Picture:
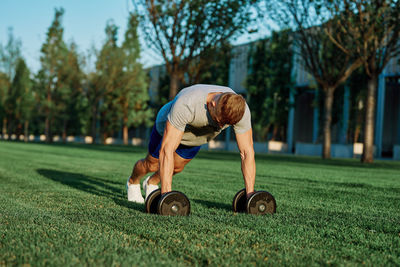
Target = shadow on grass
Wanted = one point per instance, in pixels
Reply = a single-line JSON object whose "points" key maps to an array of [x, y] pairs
{"points": [[100, 147], [92, 185], [212, 205], [230, 156]]}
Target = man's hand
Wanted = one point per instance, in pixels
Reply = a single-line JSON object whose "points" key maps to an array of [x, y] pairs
{"points": [[245, 145], [171, 140]]}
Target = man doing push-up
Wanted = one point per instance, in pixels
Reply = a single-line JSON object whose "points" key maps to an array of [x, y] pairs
{"points": [[194, 117]]}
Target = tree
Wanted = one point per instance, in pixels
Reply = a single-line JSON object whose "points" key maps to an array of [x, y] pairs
{"points": [[134, 96], [71, 98], [9, 56], [211, 66], [180, 30], [20, 101], [329, 65], [94, 95], [268, 85], [108, 82], [4, 85], [373, 28], [52, 60]]}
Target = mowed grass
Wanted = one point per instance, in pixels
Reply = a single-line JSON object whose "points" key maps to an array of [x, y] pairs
{"points": [[65, 205]]}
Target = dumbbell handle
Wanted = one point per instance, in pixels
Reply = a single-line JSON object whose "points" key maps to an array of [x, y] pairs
{"points": [[248, 195]]}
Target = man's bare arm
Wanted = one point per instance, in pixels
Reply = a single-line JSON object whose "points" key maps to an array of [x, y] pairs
{"points": [[245, 145], [171, 140]]}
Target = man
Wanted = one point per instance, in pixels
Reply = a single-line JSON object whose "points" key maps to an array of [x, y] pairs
{"points": [[197, 115]]}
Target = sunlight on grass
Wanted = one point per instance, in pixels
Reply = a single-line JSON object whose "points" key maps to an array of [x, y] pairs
{"points": [[66, 205]]}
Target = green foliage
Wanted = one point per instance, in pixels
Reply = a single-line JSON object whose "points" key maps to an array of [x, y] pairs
{"points": [[73, 103], [181, 31], [268, 84], [358, 82], [54, 52], [10, 54], [134, 96], [4, 85], [211, 66], [19, 103], [63, 100], [163, 90], [73, 211], [109, 81], [119, 87], [36, 126]]}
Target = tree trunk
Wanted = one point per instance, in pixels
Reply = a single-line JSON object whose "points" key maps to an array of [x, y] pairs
{"points": [[47, 129], [94, 122], [275, 132], [11, 126], [125, 135], [103, 131], [367, 156], [173, 85], [125, 130], [26, 132], [326, 149], [64, 133], [105, 136], [4, 130]]}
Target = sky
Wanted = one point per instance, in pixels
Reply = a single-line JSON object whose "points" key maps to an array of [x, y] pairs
{"points": [[84, 22]]}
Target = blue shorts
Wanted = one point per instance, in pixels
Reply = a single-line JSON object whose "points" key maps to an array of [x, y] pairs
{"points": [[186, 152]]}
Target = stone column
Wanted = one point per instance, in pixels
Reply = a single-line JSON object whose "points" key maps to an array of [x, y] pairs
{"points": [[316, 117], [345, 115], [380, 108], [227, 138], [290, 126]]}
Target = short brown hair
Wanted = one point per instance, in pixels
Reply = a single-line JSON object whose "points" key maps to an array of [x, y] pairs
{"points": [[230, 108]]}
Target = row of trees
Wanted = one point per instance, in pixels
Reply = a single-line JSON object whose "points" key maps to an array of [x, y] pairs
{"points": [[62, 99]]}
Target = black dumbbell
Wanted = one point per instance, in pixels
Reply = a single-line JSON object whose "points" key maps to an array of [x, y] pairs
{"points": [[152, 201], [259, 203], [171, 204], [239, 201]]}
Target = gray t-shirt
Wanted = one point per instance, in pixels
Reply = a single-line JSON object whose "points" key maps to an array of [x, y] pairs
{"points": [[188, 113]]}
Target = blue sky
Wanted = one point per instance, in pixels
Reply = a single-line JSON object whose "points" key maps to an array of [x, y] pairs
{"points": [[84, 22]]}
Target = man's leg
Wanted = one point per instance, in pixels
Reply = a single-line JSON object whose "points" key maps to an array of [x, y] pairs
{"points": [[155, 179], [143, 167]]}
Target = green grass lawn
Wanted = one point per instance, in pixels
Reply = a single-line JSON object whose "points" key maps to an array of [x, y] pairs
{"points": [[66, 205]]}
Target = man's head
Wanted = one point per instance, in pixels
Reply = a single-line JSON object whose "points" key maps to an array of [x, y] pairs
{"points": [[227, 108]]}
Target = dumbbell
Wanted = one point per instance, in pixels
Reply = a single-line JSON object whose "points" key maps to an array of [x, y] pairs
{"points": [[259, 203], [171, 204]]}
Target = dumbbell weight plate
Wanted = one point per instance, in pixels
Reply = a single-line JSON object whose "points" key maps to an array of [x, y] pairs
{"points": [[174, 203], [239, 201], [260, 203], [152, 201]]}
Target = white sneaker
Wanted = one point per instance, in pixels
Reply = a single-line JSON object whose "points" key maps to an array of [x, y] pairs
{"points": [[134, 193], [148, 188]]}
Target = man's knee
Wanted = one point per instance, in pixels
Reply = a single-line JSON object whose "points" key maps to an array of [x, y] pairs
{"points": [[151, 165], [178, 168]]}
